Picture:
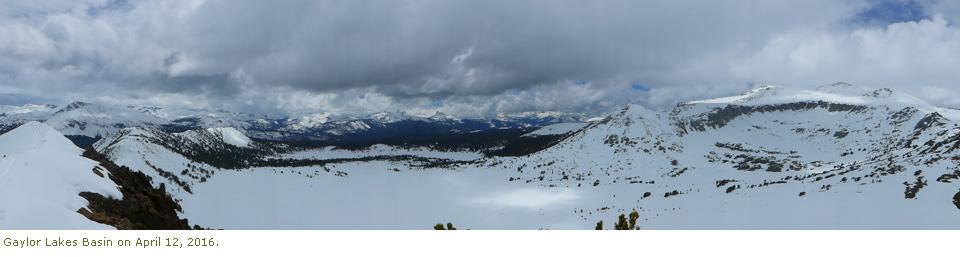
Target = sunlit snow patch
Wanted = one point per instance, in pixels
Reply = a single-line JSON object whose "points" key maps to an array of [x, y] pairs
{"points": [[532, 198], [557, 129], [231, 136]]}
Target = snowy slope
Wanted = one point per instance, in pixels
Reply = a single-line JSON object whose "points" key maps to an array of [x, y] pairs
{"points": [[41, 175], [136, 148], [230, 135], [772, 158], [831, 157]]}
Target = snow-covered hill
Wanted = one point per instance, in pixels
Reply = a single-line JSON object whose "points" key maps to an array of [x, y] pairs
{"points": [[41, 176], [836, 156], [832, 157]]}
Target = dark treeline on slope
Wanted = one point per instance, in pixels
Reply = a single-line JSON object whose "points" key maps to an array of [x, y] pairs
{"points": [[415, 161], [442, 141], [521, 146], [258, 154], [142, 207], [342, 133], [221, 155], [83, 141], [507, 142]]}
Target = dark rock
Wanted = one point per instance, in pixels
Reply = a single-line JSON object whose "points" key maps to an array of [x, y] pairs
{"points": [[142, 207]]}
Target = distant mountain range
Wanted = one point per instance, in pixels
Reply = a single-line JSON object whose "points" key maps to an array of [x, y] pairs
{"points": [[837, 156], [87, 122]]}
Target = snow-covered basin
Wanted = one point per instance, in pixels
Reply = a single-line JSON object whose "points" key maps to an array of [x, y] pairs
{"points": [[380, 150], [374, 196]]}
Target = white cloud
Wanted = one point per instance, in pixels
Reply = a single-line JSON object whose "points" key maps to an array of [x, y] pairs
{"points": [[902, 56], [474, 57]]}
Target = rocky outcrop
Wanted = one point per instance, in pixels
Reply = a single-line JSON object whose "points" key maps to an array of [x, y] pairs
{"points": [[142, 206]]}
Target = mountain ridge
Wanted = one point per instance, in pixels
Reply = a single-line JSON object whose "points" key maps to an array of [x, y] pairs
{"points": [[86, 122], [772, 158]]}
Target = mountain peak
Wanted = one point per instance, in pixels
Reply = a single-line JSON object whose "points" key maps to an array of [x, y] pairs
{"points": [[389, 117], [72, 106], [839, 88], [439, 116], [29, 135], [45, 173]]}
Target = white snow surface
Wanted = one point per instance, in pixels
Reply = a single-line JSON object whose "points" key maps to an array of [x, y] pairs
{"points": [[41, 176], [329, 153], [231, 136], [315, 120], [390, 117]]}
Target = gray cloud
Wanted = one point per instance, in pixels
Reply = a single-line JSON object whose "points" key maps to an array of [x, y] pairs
{"points": [[471, 57]]}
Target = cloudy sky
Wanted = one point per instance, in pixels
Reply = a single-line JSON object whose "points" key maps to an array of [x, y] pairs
{"points": [[466, 58]]}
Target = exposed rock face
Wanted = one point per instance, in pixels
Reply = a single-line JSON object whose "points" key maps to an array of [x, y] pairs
{"points": [[142, 207], [721, 116]]}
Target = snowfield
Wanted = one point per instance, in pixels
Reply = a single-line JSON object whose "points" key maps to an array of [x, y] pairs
{"points": [[41, 177]]}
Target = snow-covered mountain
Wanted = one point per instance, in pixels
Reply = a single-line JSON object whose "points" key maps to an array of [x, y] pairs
{"points": [[832, 157], [12, 117], [41, 177], [87, 122], [836, 156], [391, 117], [96, 120], [82, 122]]}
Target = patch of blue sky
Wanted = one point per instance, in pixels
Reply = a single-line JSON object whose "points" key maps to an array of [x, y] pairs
{"points": [[636, 86], [885, 12], [120, 5]]}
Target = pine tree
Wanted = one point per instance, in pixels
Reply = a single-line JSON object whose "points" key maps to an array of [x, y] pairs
{"points": [[600, 225], [621, 223], [624, 224], [440, 226]]}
